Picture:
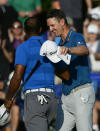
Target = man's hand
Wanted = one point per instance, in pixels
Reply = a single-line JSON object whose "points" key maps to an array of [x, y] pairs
{"points": [[63, 73], [51, 35], [3, 115], [63, 50], [63, 53]]}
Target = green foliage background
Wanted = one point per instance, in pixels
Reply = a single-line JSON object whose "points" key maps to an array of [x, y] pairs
{"points": [[46, 4]]}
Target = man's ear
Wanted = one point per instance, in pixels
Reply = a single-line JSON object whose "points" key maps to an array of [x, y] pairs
{"points": [[40, 29], [62, 22], [24, 31]]}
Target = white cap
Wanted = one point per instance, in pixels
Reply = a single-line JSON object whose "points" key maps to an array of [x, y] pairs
{"points": [[49, 49], [92, 28], [95, 13], [52, 52]]}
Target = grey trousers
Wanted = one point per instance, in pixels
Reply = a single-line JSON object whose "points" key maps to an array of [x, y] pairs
{"points": [[76, 108], [37, 116]]}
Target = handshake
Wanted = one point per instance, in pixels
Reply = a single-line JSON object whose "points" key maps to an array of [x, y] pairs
{"points": [[3, 115]]}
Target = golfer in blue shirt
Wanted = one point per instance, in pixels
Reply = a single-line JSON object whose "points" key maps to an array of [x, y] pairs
{"points": [[40, 101], [77, 101]]}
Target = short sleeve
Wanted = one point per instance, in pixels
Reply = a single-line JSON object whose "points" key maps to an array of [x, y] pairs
{"points": [[20, 57], [79, 40]]}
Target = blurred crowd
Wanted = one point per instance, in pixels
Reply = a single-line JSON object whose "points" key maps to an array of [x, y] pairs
{"points": [[82, 16]]}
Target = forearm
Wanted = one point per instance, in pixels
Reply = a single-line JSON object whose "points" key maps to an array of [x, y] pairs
{"points": [[89, 4], [63, 73], [14, 85], [79, 50], [97, 56], [85, 32], [13, 88], [8, 55]]}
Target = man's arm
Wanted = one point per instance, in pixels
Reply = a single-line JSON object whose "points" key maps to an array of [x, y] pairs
{"points": [[8, 55], [63, 73], [14, 85], [97, 56], [89, 5], [79, 50]]}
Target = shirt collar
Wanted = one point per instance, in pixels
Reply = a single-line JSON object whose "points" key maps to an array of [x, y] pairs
{"points": [[36, 37], [67, 37]]}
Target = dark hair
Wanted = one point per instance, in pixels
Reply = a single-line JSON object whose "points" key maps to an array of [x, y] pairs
{"points": [[58, 14], [43, 22], [32, 24]]}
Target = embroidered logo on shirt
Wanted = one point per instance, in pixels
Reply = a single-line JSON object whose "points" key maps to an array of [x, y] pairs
{"points": [[79, 43]]}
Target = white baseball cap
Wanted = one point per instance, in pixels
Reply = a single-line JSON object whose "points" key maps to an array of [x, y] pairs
{"points": [[49, 49], [92, 28], [95, 13], [52, 52]]}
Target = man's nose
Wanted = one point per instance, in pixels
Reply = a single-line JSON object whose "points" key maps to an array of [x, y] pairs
{"points": [[51, 29]]}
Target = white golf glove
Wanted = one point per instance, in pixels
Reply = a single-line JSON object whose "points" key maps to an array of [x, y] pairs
{"points": [[3, 115], [41, 99]]}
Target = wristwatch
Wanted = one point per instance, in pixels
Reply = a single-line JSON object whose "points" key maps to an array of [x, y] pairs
{"points": [[69, 50]]}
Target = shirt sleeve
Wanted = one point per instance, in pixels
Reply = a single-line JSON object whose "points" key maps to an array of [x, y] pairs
{"points": [[20, 57], [79, 40]]}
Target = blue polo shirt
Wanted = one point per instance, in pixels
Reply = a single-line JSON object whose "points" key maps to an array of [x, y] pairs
{"points": [[27, 54], [78, 68]]}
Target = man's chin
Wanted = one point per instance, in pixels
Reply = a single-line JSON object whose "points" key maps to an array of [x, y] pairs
{"points": [[56, 35]]}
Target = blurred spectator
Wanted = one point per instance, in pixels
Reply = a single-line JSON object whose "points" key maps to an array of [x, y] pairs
{"points": [[93, 43], [15, 110], [26, 8], [96, 110], [16, 37], [7, 16], [73, 10], [95, 12], [6, 58], [90, 20], [97, 55], [16, 34]]}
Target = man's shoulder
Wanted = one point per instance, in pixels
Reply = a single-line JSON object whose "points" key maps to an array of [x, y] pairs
{"points": [[22, 46], [77, 34], [78, 38]]}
